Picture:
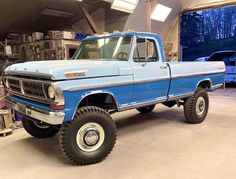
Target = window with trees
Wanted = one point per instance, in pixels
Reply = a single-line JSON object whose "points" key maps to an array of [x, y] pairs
{"points": [[207, 31]]}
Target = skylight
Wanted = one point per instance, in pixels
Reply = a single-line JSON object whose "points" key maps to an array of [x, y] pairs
{"points": [[125, 5], [160, 13]]}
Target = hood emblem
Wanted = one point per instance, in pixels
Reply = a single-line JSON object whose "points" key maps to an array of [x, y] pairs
{"points": [[74, 74]]}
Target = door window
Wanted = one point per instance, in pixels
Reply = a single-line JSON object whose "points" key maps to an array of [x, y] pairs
{"points": [[145, 51]]}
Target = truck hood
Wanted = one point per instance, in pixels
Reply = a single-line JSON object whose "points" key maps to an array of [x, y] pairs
{"points": [[66, 69]]}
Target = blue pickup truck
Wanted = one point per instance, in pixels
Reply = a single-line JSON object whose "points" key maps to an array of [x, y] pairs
{"points": [[107, 74]]}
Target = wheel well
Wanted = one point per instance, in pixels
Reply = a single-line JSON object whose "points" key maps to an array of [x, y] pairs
{"points": [[101, 100], [205, 84]]}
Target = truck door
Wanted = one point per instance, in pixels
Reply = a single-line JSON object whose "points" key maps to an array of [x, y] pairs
{"points": [[151, 74]]}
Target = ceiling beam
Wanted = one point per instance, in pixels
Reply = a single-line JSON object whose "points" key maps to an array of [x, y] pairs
{"points": [[89, 19], [149, 10]]}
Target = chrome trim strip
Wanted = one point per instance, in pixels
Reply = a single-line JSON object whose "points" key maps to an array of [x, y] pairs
{"points": [[31, 98], [138, 105], [116, 84], [44, 92], [30, 74], [159, 100], [152, 80], [25, 79], [216, 86], [176, 97], [49, 117], [197, 74], [99, 86], [21, 87]]}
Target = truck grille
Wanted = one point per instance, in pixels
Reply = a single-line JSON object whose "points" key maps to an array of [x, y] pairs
{"points": [[32, 89], [14, 85]]}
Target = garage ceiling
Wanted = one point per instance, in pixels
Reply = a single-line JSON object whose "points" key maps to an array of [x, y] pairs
{"points": [[25, 15]]}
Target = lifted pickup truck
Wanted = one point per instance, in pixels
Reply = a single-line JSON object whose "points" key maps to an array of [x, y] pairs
{"points": [[108, 73]]}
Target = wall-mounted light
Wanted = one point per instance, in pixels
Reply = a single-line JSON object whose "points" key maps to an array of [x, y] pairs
{"points": [[125, 5], [160, 13]]}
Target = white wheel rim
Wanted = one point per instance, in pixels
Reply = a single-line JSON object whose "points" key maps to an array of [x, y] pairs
{"points": [[200, 106], [90, 137]]}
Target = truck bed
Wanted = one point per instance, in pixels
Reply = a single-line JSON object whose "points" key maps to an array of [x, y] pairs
{"points": [[185, 76]]}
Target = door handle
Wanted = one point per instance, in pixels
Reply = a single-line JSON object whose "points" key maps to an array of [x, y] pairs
{"points": [[163, 67]]}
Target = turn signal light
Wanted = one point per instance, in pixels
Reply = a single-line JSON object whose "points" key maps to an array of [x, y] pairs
{"points": [[56, 107]]}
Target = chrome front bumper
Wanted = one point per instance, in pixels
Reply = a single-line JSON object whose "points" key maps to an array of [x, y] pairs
{"points": [[49, 117]]}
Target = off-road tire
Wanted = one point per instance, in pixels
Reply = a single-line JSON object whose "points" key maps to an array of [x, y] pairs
{"points": [[146, 109], [68, 133], [190, 107], [39, 132]]}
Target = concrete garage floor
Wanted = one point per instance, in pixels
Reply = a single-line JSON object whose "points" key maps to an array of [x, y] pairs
{"points": [[157, 145]]}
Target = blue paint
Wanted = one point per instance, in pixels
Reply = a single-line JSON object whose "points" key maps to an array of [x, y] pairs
{"points": [[144, 92], [186, 85]]}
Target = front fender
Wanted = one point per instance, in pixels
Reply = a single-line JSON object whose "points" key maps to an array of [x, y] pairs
{"points": [[74, 98]]}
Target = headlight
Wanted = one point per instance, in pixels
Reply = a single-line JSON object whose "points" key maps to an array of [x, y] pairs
{"points": [[51, 92]]}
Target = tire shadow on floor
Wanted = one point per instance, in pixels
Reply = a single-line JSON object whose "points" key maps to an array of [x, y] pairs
{"points": [[48, 148], [137, 121]]}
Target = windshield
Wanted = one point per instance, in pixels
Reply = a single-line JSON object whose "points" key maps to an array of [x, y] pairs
{"points": [[110, 48]]}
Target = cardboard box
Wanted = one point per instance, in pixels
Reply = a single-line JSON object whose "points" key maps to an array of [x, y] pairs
{"points": [[37, 36], [8, 119], [61, 35], [2, 103], [2, 91], [68, 35], [8, 50], [53, 34], [22, 38]]}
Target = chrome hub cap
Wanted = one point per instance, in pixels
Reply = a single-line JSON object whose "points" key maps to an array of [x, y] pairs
{"points": [[90, 137], [41, 125], [200, 106]]}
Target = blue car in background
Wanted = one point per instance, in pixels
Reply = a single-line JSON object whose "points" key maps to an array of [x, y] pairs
{"points": [[229, 58], [201, 59]]}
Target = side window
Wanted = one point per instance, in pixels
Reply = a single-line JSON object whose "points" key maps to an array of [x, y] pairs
{"points": [[146, 50]]}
